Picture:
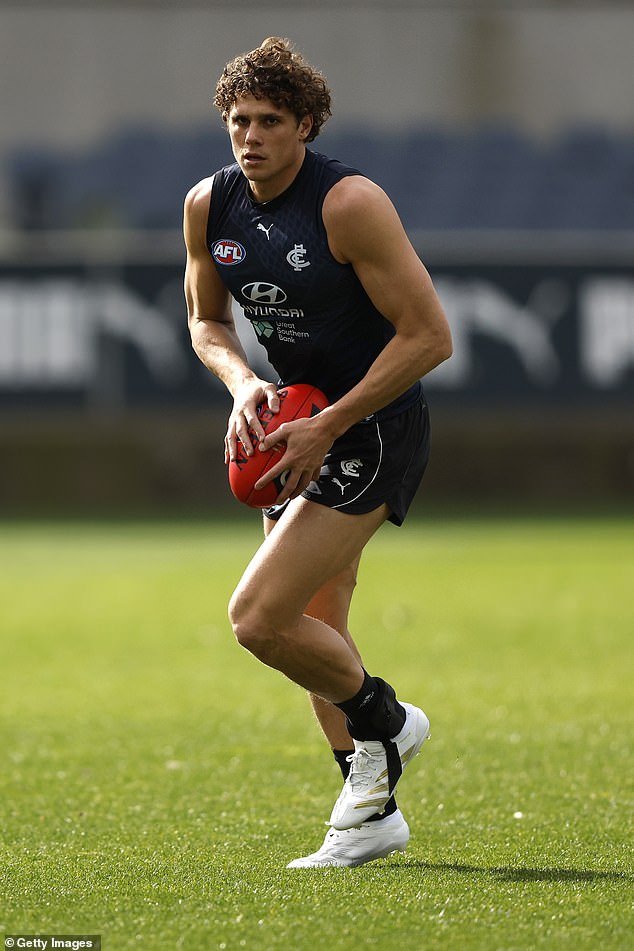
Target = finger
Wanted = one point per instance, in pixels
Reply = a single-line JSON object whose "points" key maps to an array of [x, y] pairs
{"points": [[244, 435], [230, 446], [247, 444], [273, 473], [272, 399], [273, 439], [293, 487], [287, 493], [256, 427]]}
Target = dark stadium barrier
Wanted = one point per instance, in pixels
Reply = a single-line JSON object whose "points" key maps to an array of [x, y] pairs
{"points": [[104, 404]]}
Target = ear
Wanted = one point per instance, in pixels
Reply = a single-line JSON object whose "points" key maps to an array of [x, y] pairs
{"points": [[305, 125]]}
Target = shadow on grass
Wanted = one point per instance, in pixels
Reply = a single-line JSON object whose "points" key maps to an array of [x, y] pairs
{"points": [[510, 874]]}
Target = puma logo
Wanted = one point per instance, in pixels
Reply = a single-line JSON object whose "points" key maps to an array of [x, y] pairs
{"points": [[261, 227], [341, 485]]}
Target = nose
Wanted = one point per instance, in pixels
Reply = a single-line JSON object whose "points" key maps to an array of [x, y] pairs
{"points": [[251, 134]]}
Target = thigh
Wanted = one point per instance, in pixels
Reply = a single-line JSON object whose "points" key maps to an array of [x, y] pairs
{"points": [[331, 603], [310, 546]]}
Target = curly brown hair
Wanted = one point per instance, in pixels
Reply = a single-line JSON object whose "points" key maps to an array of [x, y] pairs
{"points": [[275, 71]]}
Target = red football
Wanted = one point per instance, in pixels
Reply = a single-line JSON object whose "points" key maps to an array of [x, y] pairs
{"points": [[296, 402]]}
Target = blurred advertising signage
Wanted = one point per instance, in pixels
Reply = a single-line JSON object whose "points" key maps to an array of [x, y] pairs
{"points": [[551, 334], [112, 337]]}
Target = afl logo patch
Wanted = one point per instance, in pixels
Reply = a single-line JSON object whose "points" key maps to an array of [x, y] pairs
{"points": [[228, 252], [261, 292]]}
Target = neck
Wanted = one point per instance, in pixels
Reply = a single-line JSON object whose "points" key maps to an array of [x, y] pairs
{"points": [[265, 191]]}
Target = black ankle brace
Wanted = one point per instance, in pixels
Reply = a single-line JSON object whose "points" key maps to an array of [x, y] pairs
{"points": [[374, 712]]}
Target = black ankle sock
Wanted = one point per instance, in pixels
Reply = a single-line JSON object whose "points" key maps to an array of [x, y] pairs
{"points": [[374, 712], [342, 760]]}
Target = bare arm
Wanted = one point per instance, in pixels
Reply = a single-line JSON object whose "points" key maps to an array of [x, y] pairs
{"points": [[212, 328], [365, 231]]}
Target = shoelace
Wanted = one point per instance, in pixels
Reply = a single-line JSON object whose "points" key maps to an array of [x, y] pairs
{"points": [[363, 765]]}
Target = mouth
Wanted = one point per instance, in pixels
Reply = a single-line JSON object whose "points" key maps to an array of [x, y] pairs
{"points": [[252, 158]]}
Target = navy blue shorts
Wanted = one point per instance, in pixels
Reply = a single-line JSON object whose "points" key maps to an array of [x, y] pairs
{"points": [[376, 461]]}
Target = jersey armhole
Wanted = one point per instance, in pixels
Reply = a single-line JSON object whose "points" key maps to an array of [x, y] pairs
{"points": [[345, 171], [213, 210]]}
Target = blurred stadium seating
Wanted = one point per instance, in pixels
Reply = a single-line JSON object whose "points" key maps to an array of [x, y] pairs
{"points": [[492, 177]]}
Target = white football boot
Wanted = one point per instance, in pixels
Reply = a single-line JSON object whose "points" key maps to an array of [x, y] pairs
{"points": [[367, 788], [352, 847]]}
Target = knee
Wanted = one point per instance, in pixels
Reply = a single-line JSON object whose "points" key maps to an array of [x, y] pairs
{"points": [[249, 624]]}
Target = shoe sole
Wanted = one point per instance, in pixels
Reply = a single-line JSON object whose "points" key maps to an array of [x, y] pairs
{"points": [[355, 863], [398, 842]]}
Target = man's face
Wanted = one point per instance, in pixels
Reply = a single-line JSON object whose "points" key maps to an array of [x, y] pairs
{"points": [[268, 144]]}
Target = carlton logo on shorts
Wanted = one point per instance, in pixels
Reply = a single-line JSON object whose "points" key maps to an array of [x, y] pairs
{"points": [[262, 292], [350, 467], [228, 252]]}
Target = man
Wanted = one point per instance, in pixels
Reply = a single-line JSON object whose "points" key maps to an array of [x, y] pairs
{"points": [[317, 257]]}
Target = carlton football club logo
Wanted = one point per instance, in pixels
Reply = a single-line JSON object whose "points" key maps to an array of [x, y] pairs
{"points": [[297, 257], [228, 252], [349, 467]]}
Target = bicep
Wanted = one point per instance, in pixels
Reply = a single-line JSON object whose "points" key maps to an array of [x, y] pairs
{"points": [[206, 295], [397, 283], [368, 234]]}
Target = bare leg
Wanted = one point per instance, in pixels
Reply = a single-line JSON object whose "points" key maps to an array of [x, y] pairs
{"points": [[331, 604], [311, 546]]}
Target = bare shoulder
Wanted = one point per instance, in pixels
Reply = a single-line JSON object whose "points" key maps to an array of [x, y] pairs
{"points": [[198, 198], [196, 210], [353, 196], [358, 214]]}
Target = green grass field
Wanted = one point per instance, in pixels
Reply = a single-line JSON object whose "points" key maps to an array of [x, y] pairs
{"points": [[156, 779]]}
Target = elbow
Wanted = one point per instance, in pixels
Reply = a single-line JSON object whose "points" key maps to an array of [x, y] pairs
{"points": [[446, 347], [442, 348], [192, 323], [197, 336], [430, 351]]}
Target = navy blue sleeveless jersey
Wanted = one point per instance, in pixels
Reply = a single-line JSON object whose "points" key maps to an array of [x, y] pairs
{"points": [[310, 312]]}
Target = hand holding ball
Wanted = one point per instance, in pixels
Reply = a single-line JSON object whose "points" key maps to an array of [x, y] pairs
{"points": [[300, 401]]}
